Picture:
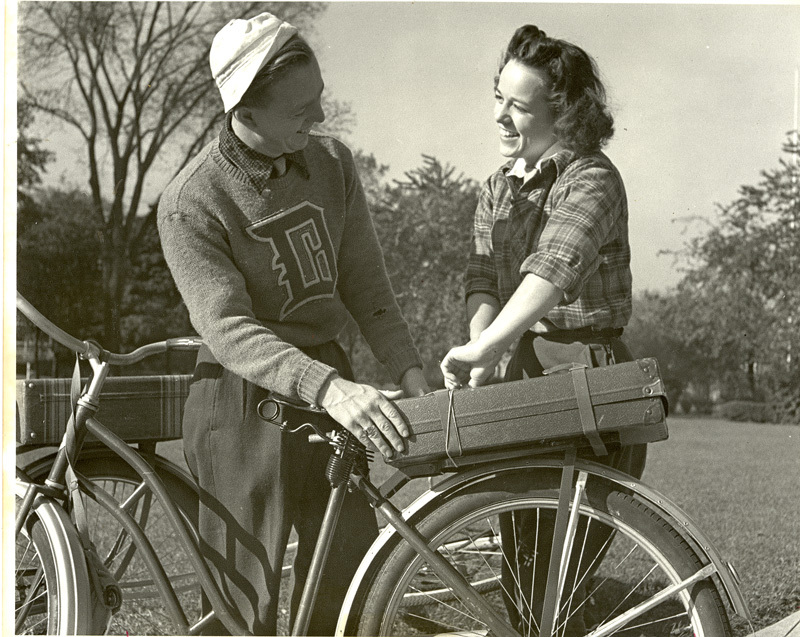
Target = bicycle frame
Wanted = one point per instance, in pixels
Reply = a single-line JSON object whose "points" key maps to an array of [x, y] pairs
{"points": [[574, 474], [443, 569]]}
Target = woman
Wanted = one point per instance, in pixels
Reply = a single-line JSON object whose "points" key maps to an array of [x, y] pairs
{"points": [[270, 242], [549, 266]]}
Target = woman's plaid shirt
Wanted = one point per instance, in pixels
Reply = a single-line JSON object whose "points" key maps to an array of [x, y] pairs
{"points": [[567, 224]]}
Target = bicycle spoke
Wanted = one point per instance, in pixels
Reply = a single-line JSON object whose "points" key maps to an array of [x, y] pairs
{"points": [[655, 600], [527, 617], [33, 579], [584, 577], [515, 574], [576, 585], [449, 627], [482, 555], [33, 593], [34, 628], [450, 607], [631, 592], [532, 623], [657, 621], [566, 551], [616, 567]]}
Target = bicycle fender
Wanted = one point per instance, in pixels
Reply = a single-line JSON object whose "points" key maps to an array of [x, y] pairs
{"points": [[686, 527], [39, 468], [67, 543], [450, 486]]}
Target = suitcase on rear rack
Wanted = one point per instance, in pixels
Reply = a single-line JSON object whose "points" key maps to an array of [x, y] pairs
{"points": [[596, 408], [136, 408]]}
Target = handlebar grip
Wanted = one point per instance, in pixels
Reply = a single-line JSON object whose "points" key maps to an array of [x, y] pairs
{"points": [[184, 343]]}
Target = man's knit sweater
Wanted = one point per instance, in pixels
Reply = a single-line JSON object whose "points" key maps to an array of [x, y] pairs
{"points": [[264, 273]]}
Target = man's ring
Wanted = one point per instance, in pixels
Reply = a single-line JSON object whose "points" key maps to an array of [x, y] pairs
{"points": [[371, 431]]}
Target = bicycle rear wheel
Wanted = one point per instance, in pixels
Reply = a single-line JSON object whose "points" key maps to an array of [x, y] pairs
{"points": [[51, 583], [642, 559]]}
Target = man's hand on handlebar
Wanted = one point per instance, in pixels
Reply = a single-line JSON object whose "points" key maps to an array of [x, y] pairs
{"points": [[366, 413]]}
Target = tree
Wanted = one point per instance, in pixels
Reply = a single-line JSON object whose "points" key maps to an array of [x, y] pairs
{"points": [[424, 223], [655, 330], [132, 80], [31, 157], [152, 308], [58, 244], [739, 301], [32, 160]]}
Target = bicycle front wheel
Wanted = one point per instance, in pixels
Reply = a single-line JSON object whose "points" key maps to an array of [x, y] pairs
{"points": [[627, 574], [142, 610], [51, 583]]}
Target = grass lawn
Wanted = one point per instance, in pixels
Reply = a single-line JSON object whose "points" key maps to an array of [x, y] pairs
{"points": [[740, 483]]}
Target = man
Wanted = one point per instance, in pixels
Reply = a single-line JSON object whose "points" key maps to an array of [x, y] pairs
{"points": [[269, 239]]}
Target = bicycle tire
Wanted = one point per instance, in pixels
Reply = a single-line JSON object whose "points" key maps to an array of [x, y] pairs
{"points": [[52, 592], [142, 609], [644, 555]]}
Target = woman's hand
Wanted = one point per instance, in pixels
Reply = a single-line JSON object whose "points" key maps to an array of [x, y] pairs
{"points": [[413, 383], [472, 364], [475, 362]]}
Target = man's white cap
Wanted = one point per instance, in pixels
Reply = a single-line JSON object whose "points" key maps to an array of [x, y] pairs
{"points": [[241, 49]]}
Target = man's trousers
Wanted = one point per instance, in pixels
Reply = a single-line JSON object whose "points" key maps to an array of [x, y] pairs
{"points": [[256, 484]]}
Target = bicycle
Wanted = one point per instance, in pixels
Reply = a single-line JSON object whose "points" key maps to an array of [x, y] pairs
{"points": [[440, 566]]}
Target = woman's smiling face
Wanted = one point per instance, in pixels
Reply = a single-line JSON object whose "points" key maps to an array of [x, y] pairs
{"points": [[523, 113]]}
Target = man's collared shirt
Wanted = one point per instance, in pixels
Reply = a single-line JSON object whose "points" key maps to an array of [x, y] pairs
{"points": [[259, 168], [568, 224]]}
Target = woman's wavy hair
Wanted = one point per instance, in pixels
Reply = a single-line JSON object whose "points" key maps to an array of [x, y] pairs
{"points": [[583, 122], [295, 51]]}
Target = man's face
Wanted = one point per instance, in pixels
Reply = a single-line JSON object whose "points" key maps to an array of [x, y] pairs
{"points": [[522, 113], [293, 106]]}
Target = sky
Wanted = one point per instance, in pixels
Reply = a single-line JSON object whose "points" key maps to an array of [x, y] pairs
{"points": [[703, 96]]}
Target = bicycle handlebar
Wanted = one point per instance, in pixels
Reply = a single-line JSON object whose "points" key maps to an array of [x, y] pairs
{"points": [[88, 349], [50, 328], [186, 343]]}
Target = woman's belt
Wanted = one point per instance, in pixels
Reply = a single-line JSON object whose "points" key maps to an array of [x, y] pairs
{"points": [[582, 333]]}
